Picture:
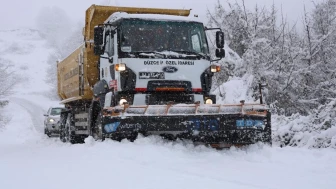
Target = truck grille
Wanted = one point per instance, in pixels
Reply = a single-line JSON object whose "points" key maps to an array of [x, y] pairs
{"points": [[165, 98]]}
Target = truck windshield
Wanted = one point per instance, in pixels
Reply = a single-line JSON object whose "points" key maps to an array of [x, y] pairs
{"points": [[145, 36]]}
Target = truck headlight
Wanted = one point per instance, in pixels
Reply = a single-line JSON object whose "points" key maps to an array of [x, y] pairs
{"points": [[122, 101], [51, 120], [208, 101], [120, 67], [214, 68]]}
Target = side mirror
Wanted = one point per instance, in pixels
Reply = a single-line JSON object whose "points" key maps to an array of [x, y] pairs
{"points": [[98, 40], [220, 39], [220, 53], [46, 115]]}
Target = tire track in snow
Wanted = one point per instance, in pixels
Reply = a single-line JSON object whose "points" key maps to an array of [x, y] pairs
{"points": [[36, 112]]}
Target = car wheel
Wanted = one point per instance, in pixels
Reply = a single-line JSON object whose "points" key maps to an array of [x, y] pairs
{"points": [[46, 132]]}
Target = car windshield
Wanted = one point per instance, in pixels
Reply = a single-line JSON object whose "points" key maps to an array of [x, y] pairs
{"points": [[158, 36], [55, 111]]}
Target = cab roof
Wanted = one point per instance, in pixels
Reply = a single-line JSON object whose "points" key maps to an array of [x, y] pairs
{"points": [[122, 15]]}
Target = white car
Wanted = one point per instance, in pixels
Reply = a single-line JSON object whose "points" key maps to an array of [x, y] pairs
{"points": [[51, 121]]}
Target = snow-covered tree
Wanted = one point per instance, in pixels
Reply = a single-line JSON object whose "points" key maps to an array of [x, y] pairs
{"points": [[7, 79], [269, 50], [320, 38], [234, 24], [300, 68], [62, 35]]}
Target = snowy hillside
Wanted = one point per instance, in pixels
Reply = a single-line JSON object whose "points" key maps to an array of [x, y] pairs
{"points": [[26, 53]]}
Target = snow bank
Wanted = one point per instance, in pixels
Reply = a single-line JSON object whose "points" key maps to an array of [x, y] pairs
{"points": [[155, 163], [314, 131], [232, 87], [20, 128]]}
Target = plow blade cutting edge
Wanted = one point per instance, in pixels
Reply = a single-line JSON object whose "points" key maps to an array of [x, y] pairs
{"points": [[218, 125]]}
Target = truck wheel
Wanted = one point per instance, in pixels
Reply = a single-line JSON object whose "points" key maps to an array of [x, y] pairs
{"points": [[62, 126], [69, 137], [62, 135], [97, 131]]}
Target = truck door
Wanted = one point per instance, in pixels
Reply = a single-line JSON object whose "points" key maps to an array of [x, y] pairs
{"points": [[109, 58]]}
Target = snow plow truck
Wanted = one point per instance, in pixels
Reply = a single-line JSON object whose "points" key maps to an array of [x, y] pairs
{"points": [[149, 71]]}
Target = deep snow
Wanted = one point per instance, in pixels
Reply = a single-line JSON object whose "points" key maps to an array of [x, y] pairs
{"points": [[28, 159], [31, 160]]}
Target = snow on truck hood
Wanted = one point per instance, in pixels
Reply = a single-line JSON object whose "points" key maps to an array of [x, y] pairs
{"points": [[120, 15]]}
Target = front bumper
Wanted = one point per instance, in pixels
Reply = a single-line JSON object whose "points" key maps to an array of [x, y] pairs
{"points": [[52, 127]]}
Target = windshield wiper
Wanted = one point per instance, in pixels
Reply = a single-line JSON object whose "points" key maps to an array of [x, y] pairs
{"points": [[161, 55], [146, 54], [191, 53], [177, 54], [152, 54]]}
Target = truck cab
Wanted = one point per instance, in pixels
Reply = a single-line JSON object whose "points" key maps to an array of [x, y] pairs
{"points": [[150, 59]]}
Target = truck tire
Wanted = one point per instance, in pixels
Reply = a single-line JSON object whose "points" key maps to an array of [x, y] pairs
{"points": [[63, 119], [65, 133], [97, 131], [68, 135], [62, 135]]}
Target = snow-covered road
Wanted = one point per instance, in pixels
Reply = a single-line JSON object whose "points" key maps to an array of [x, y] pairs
{"points": [[28, 159]]}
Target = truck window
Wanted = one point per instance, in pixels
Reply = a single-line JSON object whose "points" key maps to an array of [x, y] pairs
{"points": [[196, 44], [109, 44], [112, 46], [138, 36]]}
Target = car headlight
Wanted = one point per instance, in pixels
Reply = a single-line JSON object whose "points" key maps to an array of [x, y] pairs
{"points": [[208, 101], [51, 120], [122, 101]]}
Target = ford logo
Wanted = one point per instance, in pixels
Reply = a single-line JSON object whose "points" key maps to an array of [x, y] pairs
{"points": [[169, 69]]}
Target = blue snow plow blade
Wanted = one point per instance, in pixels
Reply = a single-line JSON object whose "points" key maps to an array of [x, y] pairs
{"points": [[209, 124]]}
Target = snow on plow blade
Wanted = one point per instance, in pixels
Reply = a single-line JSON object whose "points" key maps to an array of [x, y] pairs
{"points": [[218, 125]]}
